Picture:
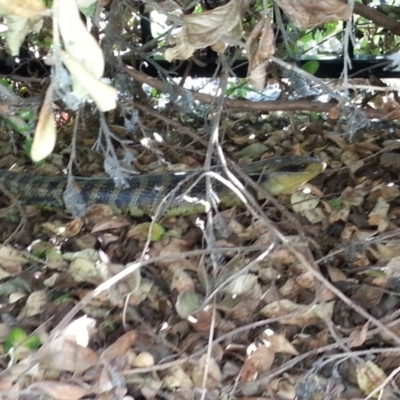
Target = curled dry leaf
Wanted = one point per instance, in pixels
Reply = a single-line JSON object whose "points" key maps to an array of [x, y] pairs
{"points": [[64, 230], [304, 315], [201, 321], [259, 47], [258, 362], [308, 13], [208, 28], [45, 136], [378, 216], [279, 343], [245, 285], [358, 336], [120, 347], [111, 222]]}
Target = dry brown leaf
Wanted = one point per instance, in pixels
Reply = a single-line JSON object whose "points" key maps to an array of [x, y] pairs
{"points": [[59, 390], [111, 222], [120, 347], [358, 336], [308, 13], [258, 362], [336, 275], [66, 355], [388, 160], [64, 230], [208, 28], [378, 216], [259, 48], [278, 343]]}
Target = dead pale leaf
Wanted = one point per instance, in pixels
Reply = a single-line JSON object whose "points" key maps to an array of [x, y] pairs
{"points": [[214, 375], [87, 85], [392, 268], [305, 315], [309, 13], [11, 261], [259, 48], [245, 285], [18, 28], [35, 304], [177, 378], [59, 390], [23, 8], [335, 274], [45, 135], [65, 355], [78, 41]]}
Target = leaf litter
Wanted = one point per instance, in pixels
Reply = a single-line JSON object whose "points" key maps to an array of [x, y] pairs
{"points": [[248, 317], [265, 312]]}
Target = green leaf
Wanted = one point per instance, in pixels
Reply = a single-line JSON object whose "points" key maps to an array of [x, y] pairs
{"points": [[306, 39], [62, 299], [28, 144], [336, 203], [311, 66], [18, 337], [18, 125], [253, 150], [27, 114], [188, 302]]}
